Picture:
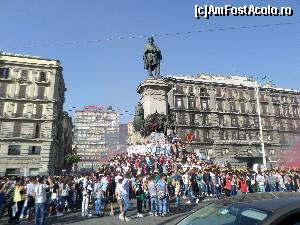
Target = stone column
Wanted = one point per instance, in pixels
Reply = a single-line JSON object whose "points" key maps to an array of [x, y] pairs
{"points": [[153, 94]]}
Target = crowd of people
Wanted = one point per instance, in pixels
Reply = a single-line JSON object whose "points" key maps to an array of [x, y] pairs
{"points": [[153, 180]]}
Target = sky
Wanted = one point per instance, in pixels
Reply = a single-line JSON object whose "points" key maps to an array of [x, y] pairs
{"points": [[108, 72]]}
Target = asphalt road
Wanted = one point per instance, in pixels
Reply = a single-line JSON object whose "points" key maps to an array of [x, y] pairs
{"points": [[75, 217]]}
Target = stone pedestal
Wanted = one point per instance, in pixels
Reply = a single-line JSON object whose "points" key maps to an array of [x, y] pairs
{"points": [[153, 94]]}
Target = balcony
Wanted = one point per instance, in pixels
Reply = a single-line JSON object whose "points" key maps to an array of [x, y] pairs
{"points": [[230, 98], [6, 79], [23, 80], [221, 96], [42, 81]]}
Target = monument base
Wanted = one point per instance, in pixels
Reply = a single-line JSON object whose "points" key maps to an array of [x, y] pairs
{"points": [[154, 95]]}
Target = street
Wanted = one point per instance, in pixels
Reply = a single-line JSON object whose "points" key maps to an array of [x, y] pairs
{"points": [[76, 218]]}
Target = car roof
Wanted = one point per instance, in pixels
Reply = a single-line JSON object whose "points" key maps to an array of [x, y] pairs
{"points": [[273, 205], [257, 199]]}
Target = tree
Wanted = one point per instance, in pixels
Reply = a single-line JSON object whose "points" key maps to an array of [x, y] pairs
{"points": [[72, 158]]}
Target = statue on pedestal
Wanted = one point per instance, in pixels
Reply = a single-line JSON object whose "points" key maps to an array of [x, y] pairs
{"points": [[152, 57]]}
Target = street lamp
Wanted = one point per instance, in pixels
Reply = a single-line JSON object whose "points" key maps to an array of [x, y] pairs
{"points": [[257, 86]]}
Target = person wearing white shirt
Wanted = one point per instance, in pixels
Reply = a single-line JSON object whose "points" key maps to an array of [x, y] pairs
{"points": [[40, 200]]}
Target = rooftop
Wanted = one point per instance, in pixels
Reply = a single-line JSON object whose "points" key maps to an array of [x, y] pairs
{"points": [[22, 58], [229, 80]]}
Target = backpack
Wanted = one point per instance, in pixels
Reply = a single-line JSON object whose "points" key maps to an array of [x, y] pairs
{"points": [[9, 195], [161, 190]]}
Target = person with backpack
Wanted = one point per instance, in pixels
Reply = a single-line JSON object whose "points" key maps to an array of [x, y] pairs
{"points": [[8, 190], [125, 195], [153, 197], [118, 193], [29, 209], [64, 195], [98, 196], [140, 196], [162, 190]]}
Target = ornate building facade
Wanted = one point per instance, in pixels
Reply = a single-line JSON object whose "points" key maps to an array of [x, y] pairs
{"points": [[222, 115], [31, 116]]}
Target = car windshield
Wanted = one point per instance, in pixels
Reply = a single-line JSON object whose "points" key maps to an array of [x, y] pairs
{"points": [[233, 214]]}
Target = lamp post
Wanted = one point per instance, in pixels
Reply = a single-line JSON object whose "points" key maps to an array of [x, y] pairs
{"points": [[257, 86]]}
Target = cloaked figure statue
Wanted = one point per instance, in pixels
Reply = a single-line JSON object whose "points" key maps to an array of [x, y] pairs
{"points": [[152, 57]]}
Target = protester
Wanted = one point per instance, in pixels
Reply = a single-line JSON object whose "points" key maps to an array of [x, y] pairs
{"points": [[153, 179]]}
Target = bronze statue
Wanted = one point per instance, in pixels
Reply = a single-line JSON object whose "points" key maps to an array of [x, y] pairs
{"points": [[152, 57]]}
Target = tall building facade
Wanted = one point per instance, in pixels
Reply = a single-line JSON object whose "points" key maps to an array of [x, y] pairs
{"points": [[96, 133], [123, 134], [222, 115], [31, 114]]}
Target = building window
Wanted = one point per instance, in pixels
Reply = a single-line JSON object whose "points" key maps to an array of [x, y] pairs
{"points": [[294, 100], [192, 119], [2, 105], [203, 92], [242, 135], [282, 139], [294, 110], [41, 92], [204, 119], [39, 111], [220, 106], [235, 135], [181, 118], [246, 122], [192, 103], [204, 104], [205, 135], [241, 94], [34, 150], [37, 132], [17, 129], [252, 95], [14, 150], [253, 108], [219, 93], [291, 125], [223, 135], [179, 102], [230, 92], [284, 99], [22, 91], [269, 136], [221, 120], [4, 73], [179, 89], [20, 109], [264, 109], [262, 97], [248, 135], [12, 172], [276, 110], [3, 89], [24, 74], [43, 77], [285, 111], [232, 107], [234, 121], [190, 90], [268, 123], [243, 107]]}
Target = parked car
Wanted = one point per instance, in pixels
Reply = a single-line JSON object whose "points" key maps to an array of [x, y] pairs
{"points": [[276, 208]]}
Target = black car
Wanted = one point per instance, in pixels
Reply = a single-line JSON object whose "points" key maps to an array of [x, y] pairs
{"points": [[276, 208]]}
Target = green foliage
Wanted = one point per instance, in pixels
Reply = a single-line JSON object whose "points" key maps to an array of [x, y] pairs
{"points": [[72, 158]]}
